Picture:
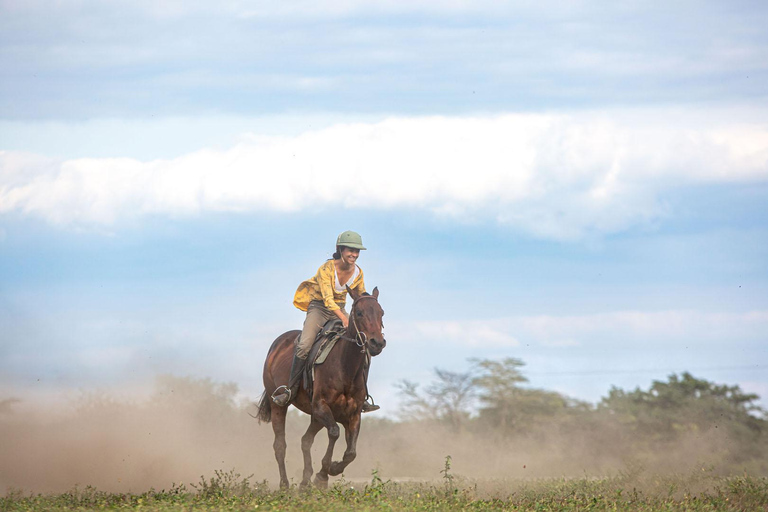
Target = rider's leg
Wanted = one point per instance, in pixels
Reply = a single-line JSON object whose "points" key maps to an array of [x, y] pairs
{"points": [[317, 315], [283, 394], [368, 406]]}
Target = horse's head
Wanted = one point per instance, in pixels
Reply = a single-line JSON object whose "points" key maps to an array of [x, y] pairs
{"points": [[365, 319]]}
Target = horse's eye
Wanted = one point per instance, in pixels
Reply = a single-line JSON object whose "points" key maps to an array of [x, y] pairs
{"points": [[359, 313]]}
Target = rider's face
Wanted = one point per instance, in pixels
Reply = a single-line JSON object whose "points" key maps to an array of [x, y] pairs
{"points": [[349, 255]]}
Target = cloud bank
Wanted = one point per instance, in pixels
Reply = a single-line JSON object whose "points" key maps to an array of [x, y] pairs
{"points": [[554, 176], [669, 326], [105, 59]]}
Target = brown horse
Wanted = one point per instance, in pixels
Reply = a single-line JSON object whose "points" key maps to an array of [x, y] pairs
{"points": [[339, 389]]}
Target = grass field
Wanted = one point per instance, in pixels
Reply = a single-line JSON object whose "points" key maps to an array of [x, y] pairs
{"points": [[639, 491], [127, 455]]}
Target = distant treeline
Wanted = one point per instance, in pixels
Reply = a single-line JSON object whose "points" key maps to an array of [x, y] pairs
{"points": [[716, 422]]}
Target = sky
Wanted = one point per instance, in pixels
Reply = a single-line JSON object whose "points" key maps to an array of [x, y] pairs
{"points": [[579, 185]]}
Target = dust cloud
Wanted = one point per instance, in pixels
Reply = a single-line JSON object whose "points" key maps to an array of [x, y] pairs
{"points": [[188, 428]]}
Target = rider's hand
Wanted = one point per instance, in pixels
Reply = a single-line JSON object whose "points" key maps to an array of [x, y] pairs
{"points": [[345, 321]]}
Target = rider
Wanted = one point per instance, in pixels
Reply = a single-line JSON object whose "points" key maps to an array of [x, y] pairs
{"points": [[324, 297]]}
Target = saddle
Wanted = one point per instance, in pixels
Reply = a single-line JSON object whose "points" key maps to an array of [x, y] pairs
{"points": [[326, 339]]}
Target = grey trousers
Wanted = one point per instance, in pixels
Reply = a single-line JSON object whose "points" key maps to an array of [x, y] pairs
{"points": [[317, 315]]}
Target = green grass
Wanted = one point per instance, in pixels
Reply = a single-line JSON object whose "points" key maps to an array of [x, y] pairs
{"points": [[636, 491]]}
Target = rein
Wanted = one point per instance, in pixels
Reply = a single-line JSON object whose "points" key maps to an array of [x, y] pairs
{"points": [[360, 339]]}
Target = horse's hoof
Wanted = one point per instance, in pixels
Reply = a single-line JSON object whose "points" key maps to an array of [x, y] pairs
{"points": [[304, 485], [321, 483], [335, 469]]}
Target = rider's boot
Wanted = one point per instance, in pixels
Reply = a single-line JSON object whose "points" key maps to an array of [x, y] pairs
{"points": [[370, 406], [288, 392]]}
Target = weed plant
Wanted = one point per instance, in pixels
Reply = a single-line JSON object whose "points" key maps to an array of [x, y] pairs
{"points": [[633, 490]]}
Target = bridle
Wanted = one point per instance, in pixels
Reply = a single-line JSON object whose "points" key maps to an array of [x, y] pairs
{"points": [[360, 339]]}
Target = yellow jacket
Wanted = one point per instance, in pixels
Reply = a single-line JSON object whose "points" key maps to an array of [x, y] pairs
{"points": [[325, 286]]}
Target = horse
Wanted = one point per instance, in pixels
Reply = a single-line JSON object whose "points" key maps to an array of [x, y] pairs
{"points": [[338, 392]]}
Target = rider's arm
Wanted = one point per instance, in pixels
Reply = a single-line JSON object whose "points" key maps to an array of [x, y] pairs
{"points": [[325, 280], [344, 318]]}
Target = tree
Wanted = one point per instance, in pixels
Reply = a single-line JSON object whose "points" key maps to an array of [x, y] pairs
{"points": [[509, 407], [498, 390], [685, 403], [448, 399], [491, 387]]}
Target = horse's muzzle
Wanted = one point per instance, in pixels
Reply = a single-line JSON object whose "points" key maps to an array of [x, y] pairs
{"points": [[375, 346]]}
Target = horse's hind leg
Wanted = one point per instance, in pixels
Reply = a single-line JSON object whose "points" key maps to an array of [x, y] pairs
{"points": [[278, 426], [306, 448], [323, 415]]}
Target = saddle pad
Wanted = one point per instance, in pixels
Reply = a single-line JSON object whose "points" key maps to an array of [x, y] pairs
{"points": [[325, 349], [325, 341]]}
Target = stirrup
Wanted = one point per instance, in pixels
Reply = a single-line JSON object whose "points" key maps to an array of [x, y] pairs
{"points": [[369, 407], [283, 398]]}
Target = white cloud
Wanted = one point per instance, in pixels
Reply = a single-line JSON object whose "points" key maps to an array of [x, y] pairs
{"points": [[686, 326], [192, 57], [670, 324], [301, 8], [555, 176], [188, 58], [471, 333]]}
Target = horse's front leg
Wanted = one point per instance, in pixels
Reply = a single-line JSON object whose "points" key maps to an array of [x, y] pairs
{"points": [[306, 448], [351, 431], [278, 427], [322, 414]]}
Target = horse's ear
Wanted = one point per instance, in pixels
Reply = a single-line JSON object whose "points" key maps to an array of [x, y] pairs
{"points": [[375, 293], [352, 293]]}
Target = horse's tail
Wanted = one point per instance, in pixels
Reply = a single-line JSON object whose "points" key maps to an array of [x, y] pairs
{"points": [[265, 408]]}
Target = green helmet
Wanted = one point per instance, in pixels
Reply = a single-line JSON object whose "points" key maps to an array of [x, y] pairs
{"points": [[350, 239]]}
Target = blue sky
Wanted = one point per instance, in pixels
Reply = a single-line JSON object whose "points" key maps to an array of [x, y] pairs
{"points": [[583, 187]]}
